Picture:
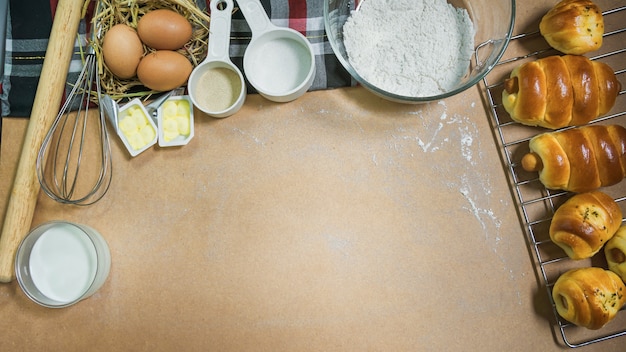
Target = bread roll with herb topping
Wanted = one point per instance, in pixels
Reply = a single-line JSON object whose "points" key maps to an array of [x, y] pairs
{"points": [[584, 223], [589, 297], [573, 27], [615, 253]]}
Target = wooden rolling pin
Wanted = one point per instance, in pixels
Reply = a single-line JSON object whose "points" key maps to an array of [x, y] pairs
{"points": [[25, 190]]}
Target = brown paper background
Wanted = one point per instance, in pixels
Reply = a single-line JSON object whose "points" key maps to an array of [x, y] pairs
{"points": [[338, 221]]}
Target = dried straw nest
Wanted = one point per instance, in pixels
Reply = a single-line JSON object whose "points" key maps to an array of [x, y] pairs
{"points": [[112, 12]]}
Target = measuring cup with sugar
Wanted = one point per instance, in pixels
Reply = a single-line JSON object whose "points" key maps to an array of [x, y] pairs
{"points": [[279, 62], [216, 86]]}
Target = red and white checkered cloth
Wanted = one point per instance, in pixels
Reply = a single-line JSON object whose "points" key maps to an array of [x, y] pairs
{"points": [[29, 25]]}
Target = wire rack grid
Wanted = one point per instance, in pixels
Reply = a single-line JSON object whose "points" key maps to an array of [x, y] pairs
{"points": [[535, 203]]}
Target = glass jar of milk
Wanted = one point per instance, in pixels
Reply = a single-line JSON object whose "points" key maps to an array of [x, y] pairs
{"points": [[60, 263]]}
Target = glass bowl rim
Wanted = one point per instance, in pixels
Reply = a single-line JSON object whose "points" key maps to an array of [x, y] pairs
{"points": [[423, 99]]}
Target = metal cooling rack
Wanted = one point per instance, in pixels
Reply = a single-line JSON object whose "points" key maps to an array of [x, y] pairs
{"points": [[536, 203]]}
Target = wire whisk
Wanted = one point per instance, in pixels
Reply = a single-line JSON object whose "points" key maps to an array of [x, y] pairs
{"points": [[74, 162]]}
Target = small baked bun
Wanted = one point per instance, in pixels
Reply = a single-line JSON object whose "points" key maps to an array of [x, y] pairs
{"points": [[615, 253], [589, 297], [573, 27], [585, 223]]}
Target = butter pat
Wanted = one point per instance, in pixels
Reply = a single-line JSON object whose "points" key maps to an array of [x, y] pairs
{"points": [[136, 128], [175, 120]]}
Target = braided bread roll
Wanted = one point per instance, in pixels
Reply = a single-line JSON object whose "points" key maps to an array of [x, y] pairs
{"points": [[584, 223], [589, 297], [615, 253], [573, 27], [558, 91], [579, 159]]}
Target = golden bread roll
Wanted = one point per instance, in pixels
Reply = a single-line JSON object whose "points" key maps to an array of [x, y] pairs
{"points": [[584, 223], [579, 159], [573, 27], [558, 91], [589, 297], [615, 253]]}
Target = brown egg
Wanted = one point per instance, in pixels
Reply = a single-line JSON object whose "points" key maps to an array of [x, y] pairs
{"points": [[164, 70], [164, 29], [122, 50]]}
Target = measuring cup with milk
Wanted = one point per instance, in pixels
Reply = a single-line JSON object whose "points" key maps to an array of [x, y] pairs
{"points": [[279, 62]]}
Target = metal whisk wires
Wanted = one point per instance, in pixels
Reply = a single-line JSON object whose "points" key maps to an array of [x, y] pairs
{"points": [[74, 161]]}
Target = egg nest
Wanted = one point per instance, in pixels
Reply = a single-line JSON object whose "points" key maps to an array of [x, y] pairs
{"points": [[112, 12]]}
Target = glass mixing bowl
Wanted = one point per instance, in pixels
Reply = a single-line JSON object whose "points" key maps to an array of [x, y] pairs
{"points": [[493, 22]]}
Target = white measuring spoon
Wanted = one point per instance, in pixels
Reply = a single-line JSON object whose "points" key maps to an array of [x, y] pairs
{"points": [[279, 62], [216, 86]]}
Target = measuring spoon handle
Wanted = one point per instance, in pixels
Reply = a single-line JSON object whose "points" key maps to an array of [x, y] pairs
{"points": [[219, 30], [255, 15]]}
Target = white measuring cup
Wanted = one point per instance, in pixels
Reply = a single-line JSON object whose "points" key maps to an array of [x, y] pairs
{"points": [[279, 62], [216, 86]]}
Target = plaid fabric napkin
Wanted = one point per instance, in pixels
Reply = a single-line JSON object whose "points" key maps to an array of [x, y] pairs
{"points": [[29, 25]]}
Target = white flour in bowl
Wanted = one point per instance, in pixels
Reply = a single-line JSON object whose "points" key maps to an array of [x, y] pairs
{"points": [[410, 47]]}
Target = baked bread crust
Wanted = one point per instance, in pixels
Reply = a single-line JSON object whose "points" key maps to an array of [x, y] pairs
{"points": [[584, 223], [573, 27], [580, 159], [589, 297], [615, 253], [559, 91]]}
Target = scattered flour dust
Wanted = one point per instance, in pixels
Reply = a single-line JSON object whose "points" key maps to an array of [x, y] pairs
{"points": [[465, 174], [410, 47]]}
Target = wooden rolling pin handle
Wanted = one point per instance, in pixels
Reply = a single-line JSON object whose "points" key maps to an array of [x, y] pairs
{"points": [[23, 197], [532, 162]]}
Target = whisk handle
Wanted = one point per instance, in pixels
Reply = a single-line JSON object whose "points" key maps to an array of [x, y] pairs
{"points": [[23, 197]]}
